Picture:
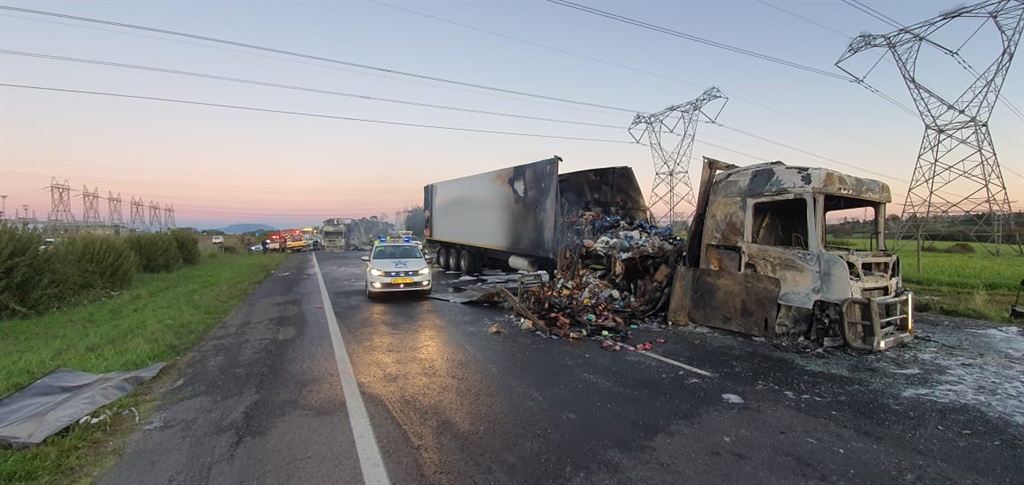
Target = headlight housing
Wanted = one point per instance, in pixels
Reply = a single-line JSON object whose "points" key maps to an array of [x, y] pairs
{"points": [[375, 272], [424, 271]]}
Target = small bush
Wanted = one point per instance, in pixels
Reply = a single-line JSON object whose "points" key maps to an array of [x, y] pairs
{"points": [[23, 272], [960, 248], [156, 253], [34, 280], [188, 245], [98, 263], [227, 249]]}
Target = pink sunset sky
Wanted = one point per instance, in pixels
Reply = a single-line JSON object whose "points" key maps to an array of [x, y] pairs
{"points": [[218, 166]]}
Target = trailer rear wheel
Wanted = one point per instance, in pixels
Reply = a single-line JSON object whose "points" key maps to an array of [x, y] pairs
{"points": [[442, 258], [453, 259], [467, 262]]}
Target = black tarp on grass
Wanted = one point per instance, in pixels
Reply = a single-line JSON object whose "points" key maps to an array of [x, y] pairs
{"points": [[62, 397]]}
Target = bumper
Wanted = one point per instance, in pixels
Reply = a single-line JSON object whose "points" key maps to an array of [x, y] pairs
{"points": [[386, 284], [879, 323]]}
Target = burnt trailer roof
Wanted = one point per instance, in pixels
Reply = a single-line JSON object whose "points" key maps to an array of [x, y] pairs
{"points": [[777, 178]]}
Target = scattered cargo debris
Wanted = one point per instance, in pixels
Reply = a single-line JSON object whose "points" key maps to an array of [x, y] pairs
{"points": [[612, 272]]}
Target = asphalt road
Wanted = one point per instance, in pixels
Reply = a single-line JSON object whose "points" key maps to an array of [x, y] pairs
{"points": [[261, 401]]}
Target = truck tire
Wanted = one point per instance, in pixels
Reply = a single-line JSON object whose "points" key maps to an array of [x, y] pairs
{"points": [[467, 261], [453, 259], [442, 258]]}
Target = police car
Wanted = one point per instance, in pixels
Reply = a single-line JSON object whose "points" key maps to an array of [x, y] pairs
{"points": [[396, 267]]}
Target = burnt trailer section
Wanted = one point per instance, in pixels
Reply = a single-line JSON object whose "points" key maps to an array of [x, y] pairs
{"points": [[760, 260], [512, 217]]}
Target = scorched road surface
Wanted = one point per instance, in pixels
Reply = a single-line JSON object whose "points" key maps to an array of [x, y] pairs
{"points": [[261, 401]]}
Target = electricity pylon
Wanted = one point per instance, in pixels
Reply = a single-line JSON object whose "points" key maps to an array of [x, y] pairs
{"points": [[672, 160], [60, 203], [956, 152], [114, 214], [138, 215], [91, 206]]}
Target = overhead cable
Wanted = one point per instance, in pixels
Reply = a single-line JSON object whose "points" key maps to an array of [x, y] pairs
{"points": [[312, 115], [295, 88], [312, 57], [694, 38]]}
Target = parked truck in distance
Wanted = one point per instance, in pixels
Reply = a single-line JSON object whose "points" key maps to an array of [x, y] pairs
{"points": [[335, 234], [760, 261], [512, 217]]}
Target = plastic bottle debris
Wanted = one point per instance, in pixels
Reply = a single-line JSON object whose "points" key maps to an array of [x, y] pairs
{"points": [[732, 399]]}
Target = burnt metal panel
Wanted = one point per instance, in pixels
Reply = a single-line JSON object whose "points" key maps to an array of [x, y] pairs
{"points": [[513, 209], [796, 270], [612, 190], [740, 302], [777, 177]]}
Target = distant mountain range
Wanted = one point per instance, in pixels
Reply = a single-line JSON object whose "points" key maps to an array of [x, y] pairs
{"points": [[243, 228]]}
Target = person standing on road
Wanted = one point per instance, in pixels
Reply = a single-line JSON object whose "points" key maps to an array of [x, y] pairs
{"points": [[248, 245], [265, 244]]}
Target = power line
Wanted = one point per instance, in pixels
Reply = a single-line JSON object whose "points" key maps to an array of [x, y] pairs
{"points": [[634, 69], [312, 57], [536, 44], [701, 40], [874, 13], [312, 115], [805, 19], [295, 88]]}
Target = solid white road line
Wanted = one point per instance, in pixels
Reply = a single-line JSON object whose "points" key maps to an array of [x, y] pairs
{"points": [[370, 461], [677, 364]]}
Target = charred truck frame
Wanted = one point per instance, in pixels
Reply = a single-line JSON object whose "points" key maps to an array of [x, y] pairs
{"points": [[759, 260], [513, 217]]}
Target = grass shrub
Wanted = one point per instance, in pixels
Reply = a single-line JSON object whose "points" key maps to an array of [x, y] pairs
{"points": [[960, 248], [156, 253], [81, 269], [22, 271], [98, 263], [188, 246]]}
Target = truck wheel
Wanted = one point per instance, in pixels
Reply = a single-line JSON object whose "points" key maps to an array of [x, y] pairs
{"points": [[442, 258], [467, 261], [453, 259]]}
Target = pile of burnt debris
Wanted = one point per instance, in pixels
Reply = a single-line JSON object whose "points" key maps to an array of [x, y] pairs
{"points": [[612, 273]]}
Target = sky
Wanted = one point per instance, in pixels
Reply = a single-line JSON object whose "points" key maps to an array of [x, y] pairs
{"points": [[218, 166]]}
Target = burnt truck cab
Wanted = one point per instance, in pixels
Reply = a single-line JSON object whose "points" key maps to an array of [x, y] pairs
{"points": [[759, 236]]}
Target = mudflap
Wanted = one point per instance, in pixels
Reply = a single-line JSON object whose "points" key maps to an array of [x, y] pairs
{"points": [[741, 302]]}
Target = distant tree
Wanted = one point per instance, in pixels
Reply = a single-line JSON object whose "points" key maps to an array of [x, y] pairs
{"points": [[414, 221]]}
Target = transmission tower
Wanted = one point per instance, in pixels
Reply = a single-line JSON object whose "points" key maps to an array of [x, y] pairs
{"points": [[138, 218], [957, 150], [114, 214], [155, 222], [91, 206], [169, 216], [672, 160], [60, 203]]}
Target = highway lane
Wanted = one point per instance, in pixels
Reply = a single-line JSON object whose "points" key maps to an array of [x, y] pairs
{"points": [[449, 402]]}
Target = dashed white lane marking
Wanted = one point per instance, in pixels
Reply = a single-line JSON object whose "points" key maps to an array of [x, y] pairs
{"points": [[677, 364], [370, 461]]}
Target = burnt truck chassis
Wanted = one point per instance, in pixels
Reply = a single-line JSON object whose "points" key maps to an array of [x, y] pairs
{"points": [[758, 261]]}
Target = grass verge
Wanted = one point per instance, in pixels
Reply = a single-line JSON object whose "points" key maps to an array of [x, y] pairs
{"points": [[158, 319]]}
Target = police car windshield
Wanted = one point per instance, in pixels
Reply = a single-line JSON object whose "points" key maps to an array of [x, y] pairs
{"points": [[396, 252]]}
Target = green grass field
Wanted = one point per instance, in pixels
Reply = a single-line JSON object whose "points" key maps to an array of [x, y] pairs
{"points": [[158, 319]]}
